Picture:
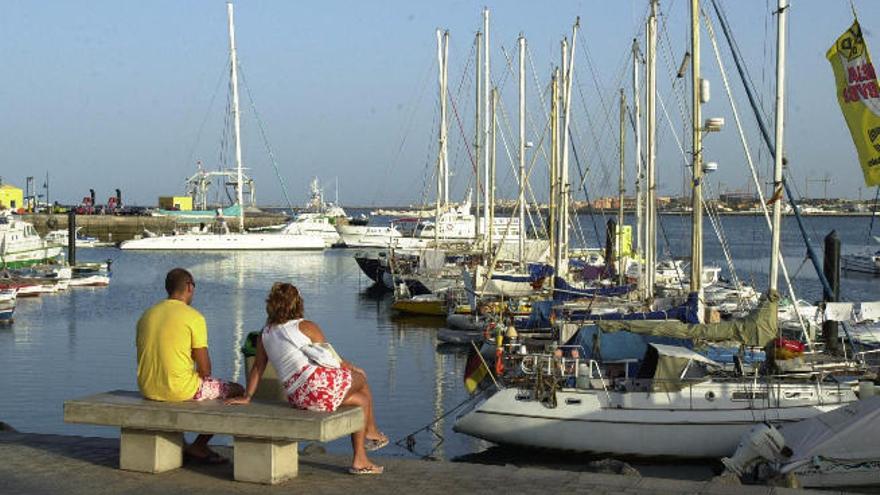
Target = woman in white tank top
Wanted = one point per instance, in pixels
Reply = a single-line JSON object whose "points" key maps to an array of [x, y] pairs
{"points": [[311, 378]]}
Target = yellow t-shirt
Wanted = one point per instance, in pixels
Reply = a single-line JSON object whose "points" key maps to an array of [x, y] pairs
{"points": [[166, 335]]}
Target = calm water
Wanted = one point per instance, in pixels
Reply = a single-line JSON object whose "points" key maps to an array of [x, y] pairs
{"points": [[81, 342]]}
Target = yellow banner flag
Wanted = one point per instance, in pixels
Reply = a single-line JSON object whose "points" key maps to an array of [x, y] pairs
{"points": [[859, 97]]}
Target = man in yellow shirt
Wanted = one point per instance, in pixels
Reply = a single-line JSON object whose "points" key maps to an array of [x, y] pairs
{"points": [[172, 355]]}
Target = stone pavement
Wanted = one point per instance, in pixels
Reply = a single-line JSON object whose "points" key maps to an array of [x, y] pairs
{"points": [[37, 464]]}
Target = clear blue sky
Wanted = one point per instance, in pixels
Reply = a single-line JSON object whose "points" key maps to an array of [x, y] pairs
{"points": [[130, 94]]}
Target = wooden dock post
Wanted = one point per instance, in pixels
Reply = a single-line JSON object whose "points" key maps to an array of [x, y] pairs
{"points": [[71, 237], [831, 268]]}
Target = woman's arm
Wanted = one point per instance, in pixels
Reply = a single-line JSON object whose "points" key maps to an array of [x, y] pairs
{"points": [[314, 333], [254, 376]]}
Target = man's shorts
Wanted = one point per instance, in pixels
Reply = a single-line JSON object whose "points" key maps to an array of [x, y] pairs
{"points": [[212, 388]]}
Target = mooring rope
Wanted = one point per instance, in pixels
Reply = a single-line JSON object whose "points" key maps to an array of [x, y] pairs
{"points": [[408, 442]]}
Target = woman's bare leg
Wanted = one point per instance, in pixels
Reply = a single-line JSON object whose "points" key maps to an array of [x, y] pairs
{"points": [[359, 457], [359, 386]]}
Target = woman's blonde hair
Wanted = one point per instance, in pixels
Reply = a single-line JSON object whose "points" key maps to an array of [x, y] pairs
{"points": [[283, 304]]}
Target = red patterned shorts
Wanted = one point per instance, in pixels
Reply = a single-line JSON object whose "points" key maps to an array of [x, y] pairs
{"points": [[212, 388], [323, 391]]}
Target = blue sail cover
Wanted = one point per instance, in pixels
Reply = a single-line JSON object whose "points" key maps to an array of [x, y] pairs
{"points": [[537, 272], [616, 346], [564, 291], [686, 313], [540, 315]]}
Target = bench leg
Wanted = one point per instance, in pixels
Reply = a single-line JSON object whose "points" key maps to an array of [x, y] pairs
{"points": [[269, 462], [150, 451]]}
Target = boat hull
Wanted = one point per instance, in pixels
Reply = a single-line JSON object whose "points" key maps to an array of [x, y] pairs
{"points": [[27, 258], [226, 242], [584, 422], [430, 307], [861, 263], [367, 236]]}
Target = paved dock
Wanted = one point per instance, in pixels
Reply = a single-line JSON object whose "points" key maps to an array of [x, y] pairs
{"points": [[38, 464]]}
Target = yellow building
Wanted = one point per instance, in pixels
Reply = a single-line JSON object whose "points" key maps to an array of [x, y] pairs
{"points": [[182, 203], [11, 197]]}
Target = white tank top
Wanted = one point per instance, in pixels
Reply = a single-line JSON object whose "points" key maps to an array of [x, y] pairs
{"points": [[283, 345]]}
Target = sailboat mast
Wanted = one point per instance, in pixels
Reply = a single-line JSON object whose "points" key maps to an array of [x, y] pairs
{"points": [[236, 117], [637, 110], [486, 122], [445, 118], [621, 190], [781, 14], [697, 163], [554, 166], [560, 163], [478, 133], [441, 138], [651, 200], [522, 150], [564, 188], [494, 154]]}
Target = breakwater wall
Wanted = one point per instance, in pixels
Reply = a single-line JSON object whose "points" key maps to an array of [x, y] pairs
{"points": [[112, 228]]}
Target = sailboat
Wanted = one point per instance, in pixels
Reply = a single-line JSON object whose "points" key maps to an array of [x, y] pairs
{"points": [[222, 239], [679, 403]]}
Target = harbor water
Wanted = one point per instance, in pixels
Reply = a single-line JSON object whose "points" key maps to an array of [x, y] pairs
{"points": [[82, 341]]}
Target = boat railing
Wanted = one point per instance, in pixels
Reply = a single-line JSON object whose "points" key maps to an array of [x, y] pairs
{"points": [[870, 357], [566, 369]]}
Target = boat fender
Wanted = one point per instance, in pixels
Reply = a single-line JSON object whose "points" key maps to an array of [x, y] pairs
{"points": [[499, 361]]}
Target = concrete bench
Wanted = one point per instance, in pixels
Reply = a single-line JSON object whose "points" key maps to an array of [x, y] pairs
{"points": [[265, 433]]}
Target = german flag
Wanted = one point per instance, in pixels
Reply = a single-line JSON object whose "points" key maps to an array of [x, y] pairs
{"points": [[475, 371]]}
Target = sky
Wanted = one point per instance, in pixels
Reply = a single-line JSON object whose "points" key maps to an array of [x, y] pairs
{"points": [[127, 94]]}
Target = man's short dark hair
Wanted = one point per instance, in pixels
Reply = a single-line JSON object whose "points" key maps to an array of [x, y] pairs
{"points": [[176, 280]]}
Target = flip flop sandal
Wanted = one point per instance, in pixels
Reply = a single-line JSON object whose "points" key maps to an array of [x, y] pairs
{"points": [[373, 444], [366, 470]]}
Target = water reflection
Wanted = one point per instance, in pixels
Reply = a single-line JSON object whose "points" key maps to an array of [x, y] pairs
{"points": [[439, 380], [239, 319], [71, 322]]}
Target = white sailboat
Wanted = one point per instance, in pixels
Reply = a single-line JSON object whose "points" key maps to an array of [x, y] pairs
{"points": [[681, 404], [222, 239]]}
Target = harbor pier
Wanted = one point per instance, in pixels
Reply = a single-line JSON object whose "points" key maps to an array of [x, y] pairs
{"points": [[37, 463], [113, 228]]}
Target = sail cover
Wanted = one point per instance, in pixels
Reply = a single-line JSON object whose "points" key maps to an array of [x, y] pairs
{"points": [[848, 433], [758, 328]]}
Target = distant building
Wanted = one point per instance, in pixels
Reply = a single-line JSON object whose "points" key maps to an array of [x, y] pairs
{"points": [[182, 203], [738, 200], [603, 203], [11, 197]]}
